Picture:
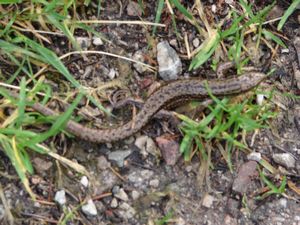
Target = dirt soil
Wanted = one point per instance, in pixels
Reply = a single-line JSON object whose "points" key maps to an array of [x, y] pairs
{"points": [[130, 181]]}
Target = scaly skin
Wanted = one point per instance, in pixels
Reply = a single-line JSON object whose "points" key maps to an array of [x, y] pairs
{"points": [[173, 91]]}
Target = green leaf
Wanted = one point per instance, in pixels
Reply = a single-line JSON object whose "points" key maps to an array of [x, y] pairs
{"points": [[276, 39], [59, 124], [2, 2], [208, 47], [21, 103], [158, 14], [287, 13], [182, 9]]}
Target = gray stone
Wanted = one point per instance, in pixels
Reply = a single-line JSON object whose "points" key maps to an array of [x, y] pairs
{"points": [[41, 165], [126, 211], [146, 145], [105, 180], [254, 156], [246, 174], [121, 194], [154, 183], [102, 163], [140, 178], [208, 201], [89, 209], [135, 195], [283, 202], [119, 156], [2, 212], [189, 168], [284, 159], [169, 63], [60, 197], [139, 56], [83, 42], [133, 9]]}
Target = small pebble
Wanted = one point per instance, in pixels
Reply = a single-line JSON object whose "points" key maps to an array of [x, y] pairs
{"points": [[284, 159], [135, 195], [102, 163], [119, 156], [260, 99], [189, 168], [128, 212], [114, 203], [146, 145], [169, 63], [196, 42], [134, 9], [121, 194], [208, 201], [283, 202], [246, 174], [42, 165], [112, 74], [229, 2], [84, 181], [60, 197], [154, 183], [255, 156], [89, 209], [214, 8], [285, 50], [83, 42], [2, 212], [139, 56], [97, 41]]}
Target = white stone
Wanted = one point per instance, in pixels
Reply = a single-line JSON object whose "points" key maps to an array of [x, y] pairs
{"points": [[260, 99], [112, 74], [60, 197], [214, 8], [84, 181], [229, 2], [196, 42], [89, 209], [285, 50], [114, 203], [97, 41]]}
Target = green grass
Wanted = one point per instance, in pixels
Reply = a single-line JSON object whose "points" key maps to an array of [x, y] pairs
{"points": [[273, 189], [29, 54], [24, 45], [225, 121], [242, 22]]}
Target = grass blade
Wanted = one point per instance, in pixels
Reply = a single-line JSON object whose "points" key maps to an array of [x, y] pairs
{"points": [[287, 13]]}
